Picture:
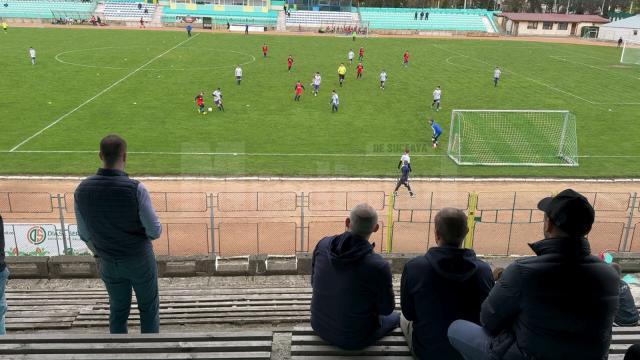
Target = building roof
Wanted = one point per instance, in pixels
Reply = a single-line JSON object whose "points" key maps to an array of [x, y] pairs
{"points": [[632, 22], [554, 17]]}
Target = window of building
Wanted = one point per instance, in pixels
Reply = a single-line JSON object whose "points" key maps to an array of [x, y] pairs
{"points": [[563, 26], [547, 25], [532, 25]]}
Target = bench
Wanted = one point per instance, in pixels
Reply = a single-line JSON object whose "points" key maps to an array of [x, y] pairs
{"points": [[218, 345], [305, 345]]}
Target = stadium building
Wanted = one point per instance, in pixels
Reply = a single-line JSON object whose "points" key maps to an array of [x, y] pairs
{"points": [[536, 24], [627, 29]]}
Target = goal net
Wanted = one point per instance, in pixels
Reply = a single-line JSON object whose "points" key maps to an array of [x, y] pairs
{"points": [[631, 53], [513, 138]]}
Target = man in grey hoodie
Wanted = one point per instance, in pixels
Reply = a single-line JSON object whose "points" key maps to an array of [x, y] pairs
{"points": [[353, 302]]}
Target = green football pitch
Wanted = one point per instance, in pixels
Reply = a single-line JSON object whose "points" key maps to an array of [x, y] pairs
{"points": [[141, 85]]}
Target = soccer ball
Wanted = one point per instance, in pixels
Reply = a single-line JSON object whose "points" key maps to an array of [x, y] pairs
{"points": [[210, 109]]}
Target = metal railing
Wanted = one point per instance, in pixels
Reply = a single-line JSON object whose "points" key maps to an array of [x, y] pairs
{"points": [[245, 223]]}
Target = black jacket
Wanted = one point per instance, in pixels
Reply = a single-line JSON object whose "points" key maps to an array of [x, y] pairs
{"points": [[627, 314], [3, 265], [351, 287], [438, 288], [559, 304]]}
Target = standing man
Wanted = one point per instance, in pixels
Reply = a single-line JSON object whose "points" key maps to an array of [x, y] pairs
{"points": [[383, 78], [437, 131], [421, 15], [189, 28], [415, 16], [32, 55], [359, 69], [405, 58], [496, 76], [446, 284], [142, 23], [426, 16], [559, 304], [265, 49], [335, 101], [4, 26], [246, 29], [404, 179], [437, 94], [353, 301], [350, 56], [361, 54], [353, 35], [342, 71], [298, 91], [619, 40], [238, 73], [117, 221], [289, 63], [317, 79], [199, 99], [4, 276]]}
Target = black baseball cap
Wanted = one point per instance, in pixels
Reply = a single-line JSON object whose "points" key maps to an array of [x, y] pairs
{"points": [[569, 211]]}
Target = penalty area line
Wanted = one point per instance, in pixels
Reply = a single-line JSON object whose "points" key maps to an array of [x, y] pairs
{"points": [[178, 153], [98, 94]]}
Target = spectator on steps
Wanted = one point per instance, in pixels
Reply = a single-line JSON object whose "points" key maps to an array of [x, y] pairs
{"points": [[415, 16], [633, 352], [421, 15], [353, 302], [559, 304], [139, 6], [4, 276], [446, 284], [116, 220], [627, 314]]}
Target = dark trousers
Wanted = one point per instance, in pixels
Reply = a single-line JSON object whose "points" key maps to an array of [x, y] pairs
{"points": [[120, 277], [403, 182]]}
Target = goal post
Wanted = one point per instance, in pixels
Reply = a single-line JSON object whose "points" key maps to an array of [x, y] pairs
{"points": [[513, 138], [630, 52]]}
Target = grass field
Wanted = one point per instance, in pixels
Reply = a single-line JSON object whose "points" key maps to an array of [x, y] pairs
{"points": [[141, 85]]}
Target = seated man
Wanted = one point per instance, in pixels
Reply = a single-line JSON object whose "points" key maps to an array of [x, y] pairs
{"points": [[559, 304], [353, 302], [446, 284], [627, 314]]}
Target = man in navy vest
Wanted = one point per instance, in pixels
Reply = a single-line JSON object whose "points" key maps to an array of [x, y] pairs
{"points": [[116, 220]]}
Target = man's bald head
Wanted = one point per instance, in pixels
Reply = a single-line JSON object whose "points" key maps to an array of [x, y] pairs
{"points": [[363, 220], [451, 227]]}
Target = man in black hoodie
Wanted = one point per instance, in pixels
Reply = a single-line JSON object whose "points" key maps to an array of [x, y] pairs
{"points": [[559, 304], [353, 302], [4, 276], [446, 284]]}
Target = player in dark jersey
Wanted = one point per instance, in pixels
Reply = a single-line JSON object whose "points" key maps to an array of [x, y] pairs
{"points": [[404, 179]]}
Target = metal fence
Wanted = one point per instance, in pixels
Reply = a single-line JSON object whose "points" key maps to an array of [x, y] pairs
{"points": [[245, 223]]}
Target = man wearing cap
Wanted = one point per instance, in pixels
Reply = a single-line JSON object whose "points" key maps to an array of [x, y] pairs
{"points": [[559, 304]]}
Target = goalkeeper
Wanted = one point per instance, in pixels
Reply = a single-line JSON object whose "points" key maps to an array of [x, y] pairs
{"points": [[437, 131]]}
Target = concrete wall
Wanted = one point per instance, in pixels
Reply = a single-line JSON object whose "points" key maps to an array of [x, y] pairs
{"points": [[607, 33]]}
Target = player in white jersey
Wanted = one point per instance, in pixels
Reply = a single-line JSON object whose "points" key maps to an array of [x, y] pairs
{"points": [[238, 74], [217, 99], [315, 83], [405, 158], [496, 76], [383, 78], [32, 54], [350, 56], [335, 101], [437, 93]]}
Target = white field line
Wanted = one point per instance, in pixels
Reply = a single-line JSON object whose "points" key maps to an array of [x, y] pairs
{"points": [[562, 58], [517, 74], [99, 94], [178, 153], [325, 178]]}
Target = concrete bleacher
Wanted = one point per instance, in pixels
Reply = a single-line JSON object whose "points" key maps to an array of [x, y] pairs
{"points": [[439, 19], [43, 9], [319, 18], [119, 10], [221, 14]]}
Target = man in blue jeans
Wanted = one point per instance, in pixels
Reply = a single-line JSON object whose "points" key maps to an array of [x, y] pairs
{"points": [[4, 276], [116, 220]]}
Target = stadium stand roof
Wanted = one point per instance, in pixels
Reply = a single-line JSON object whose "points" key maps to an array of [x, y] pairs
{"points": [[632, 22], [570, 18]]}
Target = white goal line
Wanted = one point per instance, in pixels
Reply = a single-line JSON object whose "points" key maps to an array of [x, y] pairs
{"points": [[179, 153]]}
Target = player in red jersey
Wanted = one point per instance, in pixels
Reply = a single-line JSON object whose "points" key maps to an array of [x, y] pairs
{"points": [[265, 49], [200, 103], [405, 58], [289, 63], [142, 23], [359, 69], [298, 88], [361, 54]]}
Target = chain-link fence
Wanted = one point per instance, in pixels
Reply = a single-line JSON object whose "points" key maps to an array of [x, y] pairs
{"points": [[245, 223]]}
